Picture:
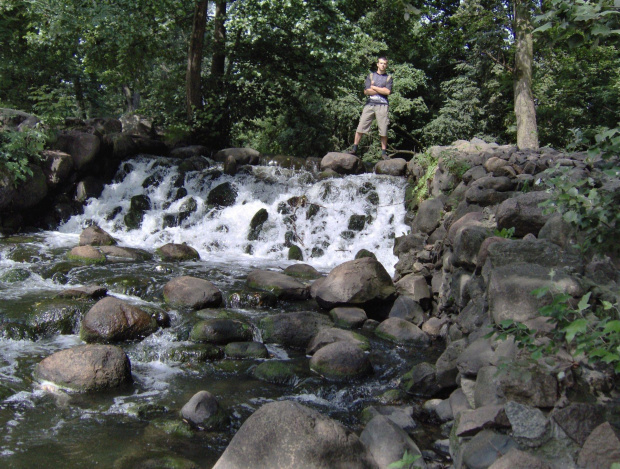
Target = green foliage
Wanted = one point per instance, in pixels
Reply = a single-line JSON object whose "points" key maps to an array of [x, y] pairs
{"points": [[453, 164], [588, 205], [18, 150], [420, 191], [406, 462], [588, 329], [507, 233]]}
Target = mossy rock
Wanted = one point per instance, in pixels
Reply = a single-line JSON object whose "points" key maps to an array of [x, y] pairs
{"points": [[347, 234], [16, 331], [358, 222], [5, 392], [277, 372], [86, 255], [256, 224], [221, 314], [57, 316], [223, 195], [144, 461], [251, 299], [139, 204], [295, 253], [220, 331], [365, 253], [59, 271], [14, 276], [195, 353], [173, 428], [240, 350], [131, 285], [24, 253]]}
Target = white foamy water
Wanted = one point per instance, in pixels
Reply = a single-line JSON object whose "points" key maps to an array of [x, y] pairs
{"points": [[221, 235]]}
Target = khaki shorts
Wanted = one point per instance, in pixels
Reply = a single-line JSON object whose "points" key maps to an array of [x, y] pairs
{"points": [[370, 111]]}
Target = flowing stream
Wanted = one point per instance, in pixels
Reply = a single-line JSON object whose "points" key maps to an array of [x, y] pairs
{"points": [[330, 220]]}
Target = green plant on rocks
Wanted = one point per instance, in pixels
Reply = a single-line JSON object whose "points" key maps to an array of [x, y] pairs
{"points": [[18, 150], [453, 164], [591, 329], [414, 194]]}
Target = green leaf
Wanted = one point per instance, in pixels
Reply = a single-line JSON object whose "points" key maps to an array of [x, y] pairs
{"points": [[574, 328], [612, 326], [583, 303]]}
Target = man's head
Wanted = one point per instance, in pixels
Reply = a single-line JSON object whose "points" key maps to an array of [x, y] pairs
{"points": [[382, 64]]}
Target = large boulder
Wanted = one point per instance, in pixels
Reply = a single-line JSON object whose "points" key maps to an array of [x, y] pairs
{"points": [[523, 213], [601, 449], [510, 291], [288, 435], [220, 331], [387, 442], [57, 167], [113, 320], [204, 412], [362, 282], [86, 368], [82, 147], [393, 167], [428, 216], [192, 292], [223, 195], [342, 163], [31, 191], [241, 156], [95, 236], [293, 329], [402, 332], [283, 286], [330, 335], [341, 360], [177, 252]]}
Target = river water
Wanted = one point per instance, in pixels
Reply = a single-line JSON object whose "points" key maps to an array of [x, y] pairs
{"points": [[48, 427]]}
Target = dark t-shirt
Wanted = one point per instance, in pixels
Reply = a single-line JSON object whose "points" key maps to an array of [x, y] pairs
{"points": [[382, 81]]}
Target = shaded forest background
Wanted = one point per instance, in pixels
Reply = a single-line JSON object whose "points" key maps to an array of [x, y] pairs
{"points": [[286, 76]]}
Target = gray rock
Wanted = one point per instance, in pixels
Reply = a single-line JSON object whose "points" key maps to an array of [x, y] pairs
{"points": [[281, 285], [402, 332], [348, 318], [57, 167], [510, 290], [540, 252], [475, 356], [288, 435], [467, 243], [204, 412], [192, 292], [95, 236], [523, 213], [421, 380], [400, 415], [485, 448], [246, 350], [304, 271], [242, 156], [601, 449], [223, 195], [86, 368], [578, 420], [517, 459], [342, 163], [87, 255], [392, 167], [82, 147], [469, 219], [428, 216], [341, 360], [408, 309], [113, 320], [446, 365], [387, 442], [281, 372], [530, 428], [415, 287], [474, 316], [177, 252], [363, 283], [473, 421], [220, 331], [331, 334], [94, 292], [458, 402], [122, 253], [293, 329]]}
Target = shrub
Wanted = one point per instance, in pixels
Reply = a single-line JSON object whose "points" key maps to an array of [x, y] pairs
{"points": [[20, 149]]}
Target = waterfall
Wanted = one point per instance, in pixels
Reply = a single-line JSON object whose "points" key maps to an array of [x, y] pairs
{"points": [[329, 220]]}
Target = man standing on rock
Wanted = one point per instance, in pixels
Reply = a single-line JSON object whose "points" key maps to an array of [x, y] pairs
{"points": [[377, 87]]}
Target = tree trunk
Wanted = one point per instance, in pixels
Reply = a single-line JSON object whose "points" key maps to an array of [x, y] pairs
{"points": [[194, 59], [525, 111], [219, 41], [132, 99]]}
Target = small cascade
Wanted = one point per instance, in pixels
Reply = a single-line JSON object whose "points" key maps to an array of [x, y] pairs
{"points": [[267, 209]]}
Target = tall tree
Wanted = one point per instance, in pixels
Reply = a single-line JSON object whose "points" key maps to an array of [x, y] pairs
{"points": [[193, 87], [525, 111], [218, 60]]}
